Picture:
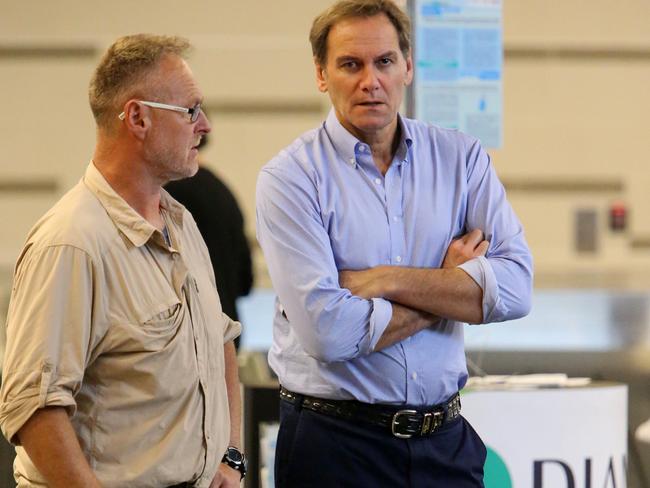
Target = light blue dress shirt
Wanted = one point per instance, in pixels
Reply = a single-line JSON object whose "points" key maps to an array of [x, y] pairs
{"points": [[323, 206]]}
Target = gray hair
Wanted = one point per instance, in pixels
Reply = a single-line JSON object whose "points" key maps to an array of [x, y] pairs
{"points": [[123, 68]]}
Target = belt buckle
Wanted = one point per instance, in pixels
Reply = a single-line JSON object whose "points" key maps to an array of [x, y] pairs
{"points": [[432, 421], [395, 423]]}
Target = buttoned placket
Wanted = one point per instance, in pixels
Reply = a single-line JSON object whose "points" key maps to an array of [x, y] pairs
{"points": [[184, 283], [197, 320], [369, 172], [415, 376], [389, 189], [395, 177], [395, 213]]}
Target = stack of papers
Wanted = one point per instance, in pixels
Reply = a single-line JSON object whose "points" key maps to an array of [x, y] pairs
{"points": [[524, 381]]}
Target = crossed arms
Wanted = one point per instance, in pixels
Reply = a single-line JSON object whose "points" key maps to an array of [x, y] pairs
{"points": [[421, 295]]}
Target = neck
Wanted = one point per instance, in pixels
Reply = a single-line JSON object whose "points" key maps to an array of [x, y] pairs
{"points": [[383, 142], [383, 147], [129, 177]]}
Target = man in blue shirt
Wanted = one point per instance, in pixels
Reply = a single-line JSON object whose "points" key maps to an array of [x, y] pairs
{"points": [[383, 236]]}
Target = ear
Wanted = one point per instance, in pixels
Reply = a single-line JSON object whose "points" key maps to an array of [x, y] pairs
{"points": [[409, 70], [321, 77], [137, 118]]}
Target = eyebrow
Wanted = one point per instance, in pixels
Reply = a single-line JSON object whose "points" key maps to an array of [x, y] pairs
{"points": [[341, 59], [387, 54], [350, 57]]}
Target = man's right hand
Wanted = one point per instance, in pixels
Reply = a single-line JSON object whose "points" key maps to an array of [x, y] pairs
{"points": [[469, 246]]}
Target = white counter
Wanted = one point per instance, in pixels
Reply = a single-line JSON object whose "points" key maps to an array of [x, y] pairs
{"points": [[552, 438]]}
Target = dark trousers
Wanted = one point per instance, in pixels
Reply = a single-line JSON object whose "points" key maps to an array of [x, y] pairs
{"points": [[314, 450]]}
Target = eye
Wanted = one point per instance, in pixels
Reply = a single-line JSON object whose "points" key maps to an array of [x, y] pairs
{"points": [[349, 65], [385, 61]]}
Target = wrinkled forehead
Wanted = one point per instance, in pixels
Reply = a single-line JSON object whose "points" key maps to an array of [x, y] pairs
{"points": [[355, 36]]}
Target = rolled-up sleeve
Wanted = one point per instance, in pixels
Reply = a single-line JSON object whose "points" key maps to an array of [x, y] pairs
{"points": [[330, 323], [48, 334], [232, 329], [506, 272]]}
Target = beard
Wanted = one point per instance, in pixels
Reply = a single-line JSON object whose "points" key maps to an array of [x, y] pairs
{"points": [[171, 161]]}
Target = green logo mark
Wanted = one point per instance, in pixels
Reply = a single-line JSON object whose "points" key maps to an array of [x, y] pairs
{"points": [[496, 471]]}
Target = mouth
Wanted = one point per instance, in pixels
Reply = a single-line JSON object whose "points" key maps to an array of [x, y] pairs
{"points": [[371, 104], [196, 145]]}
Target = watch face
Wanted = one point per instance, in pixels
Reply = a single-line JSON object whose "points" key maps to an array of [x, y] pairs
{"points": [[234, 455]]}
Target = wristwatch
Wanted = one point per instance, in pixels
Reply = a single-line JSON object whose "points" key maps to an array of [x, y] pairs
{"points": [[236, 460]]}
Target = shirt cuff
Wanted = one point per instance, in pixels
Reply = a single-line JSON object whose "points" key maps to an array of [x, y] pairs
{"points": [[382, 312], [232, 330], [481, 272], [33, 391]]}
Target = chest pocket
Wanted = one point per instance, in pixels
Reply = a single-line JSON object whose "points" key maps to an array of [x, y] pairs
{"points": [[163, 326], [149, 332]]}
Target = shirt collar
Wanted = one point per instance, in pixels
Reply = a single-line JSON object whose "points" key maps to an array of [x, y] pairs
{"points": [[347, 145], [171, 206], [406, 141], [135, 227]]}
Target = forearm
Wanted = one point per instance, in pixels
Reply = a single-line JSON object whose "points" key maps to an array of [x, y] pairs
{"points": [[234, 394], [449, 293], [404, 323], [52, 445], [446, 292]]}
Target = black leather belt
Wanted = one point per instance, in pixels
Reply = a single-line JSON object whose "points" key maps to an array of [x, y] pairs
{"points": [[182, 485], [401, 422]]}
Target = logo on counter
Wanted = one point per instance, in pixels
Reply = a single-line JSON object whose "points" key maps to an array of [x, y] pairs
{"points": [[496, 471], [608, 478]]}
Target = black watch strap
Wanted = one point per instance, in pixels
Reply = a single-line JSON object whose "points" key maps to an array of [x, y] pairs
{"points": [[236, 460]]}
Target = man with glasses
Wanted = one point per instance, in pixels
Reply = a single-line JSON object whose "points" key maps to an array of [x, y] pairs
{"points": [[383, 237], [120, 368]]}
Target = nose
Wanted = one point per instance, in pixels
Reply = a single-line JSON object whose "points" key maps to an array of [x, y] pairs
{"points": [[370, 80], [203, 124]]}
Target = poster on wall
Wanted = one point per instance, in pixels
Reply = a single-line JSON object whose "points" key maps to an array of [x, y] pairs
{"points": [[458, 59]]}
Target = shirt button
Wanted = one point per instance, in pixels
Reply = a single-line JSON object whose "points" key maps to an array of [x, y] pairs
{"points": [[395, 218], [378, 181], [414, 375], [398, 259]]}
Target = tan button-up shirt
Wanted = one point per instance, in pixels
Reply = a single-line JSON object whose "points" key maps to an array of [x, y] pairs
{"points": [[124, 331]]}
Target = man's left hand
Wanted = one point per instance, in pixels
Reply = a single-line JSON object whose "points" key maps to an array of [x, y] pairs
{"points": [[466, 247], [226, 477]]}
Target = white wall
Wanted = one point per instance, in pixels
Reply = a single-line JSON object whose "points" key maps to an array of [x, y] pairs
{"points": [[575, 83]]}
